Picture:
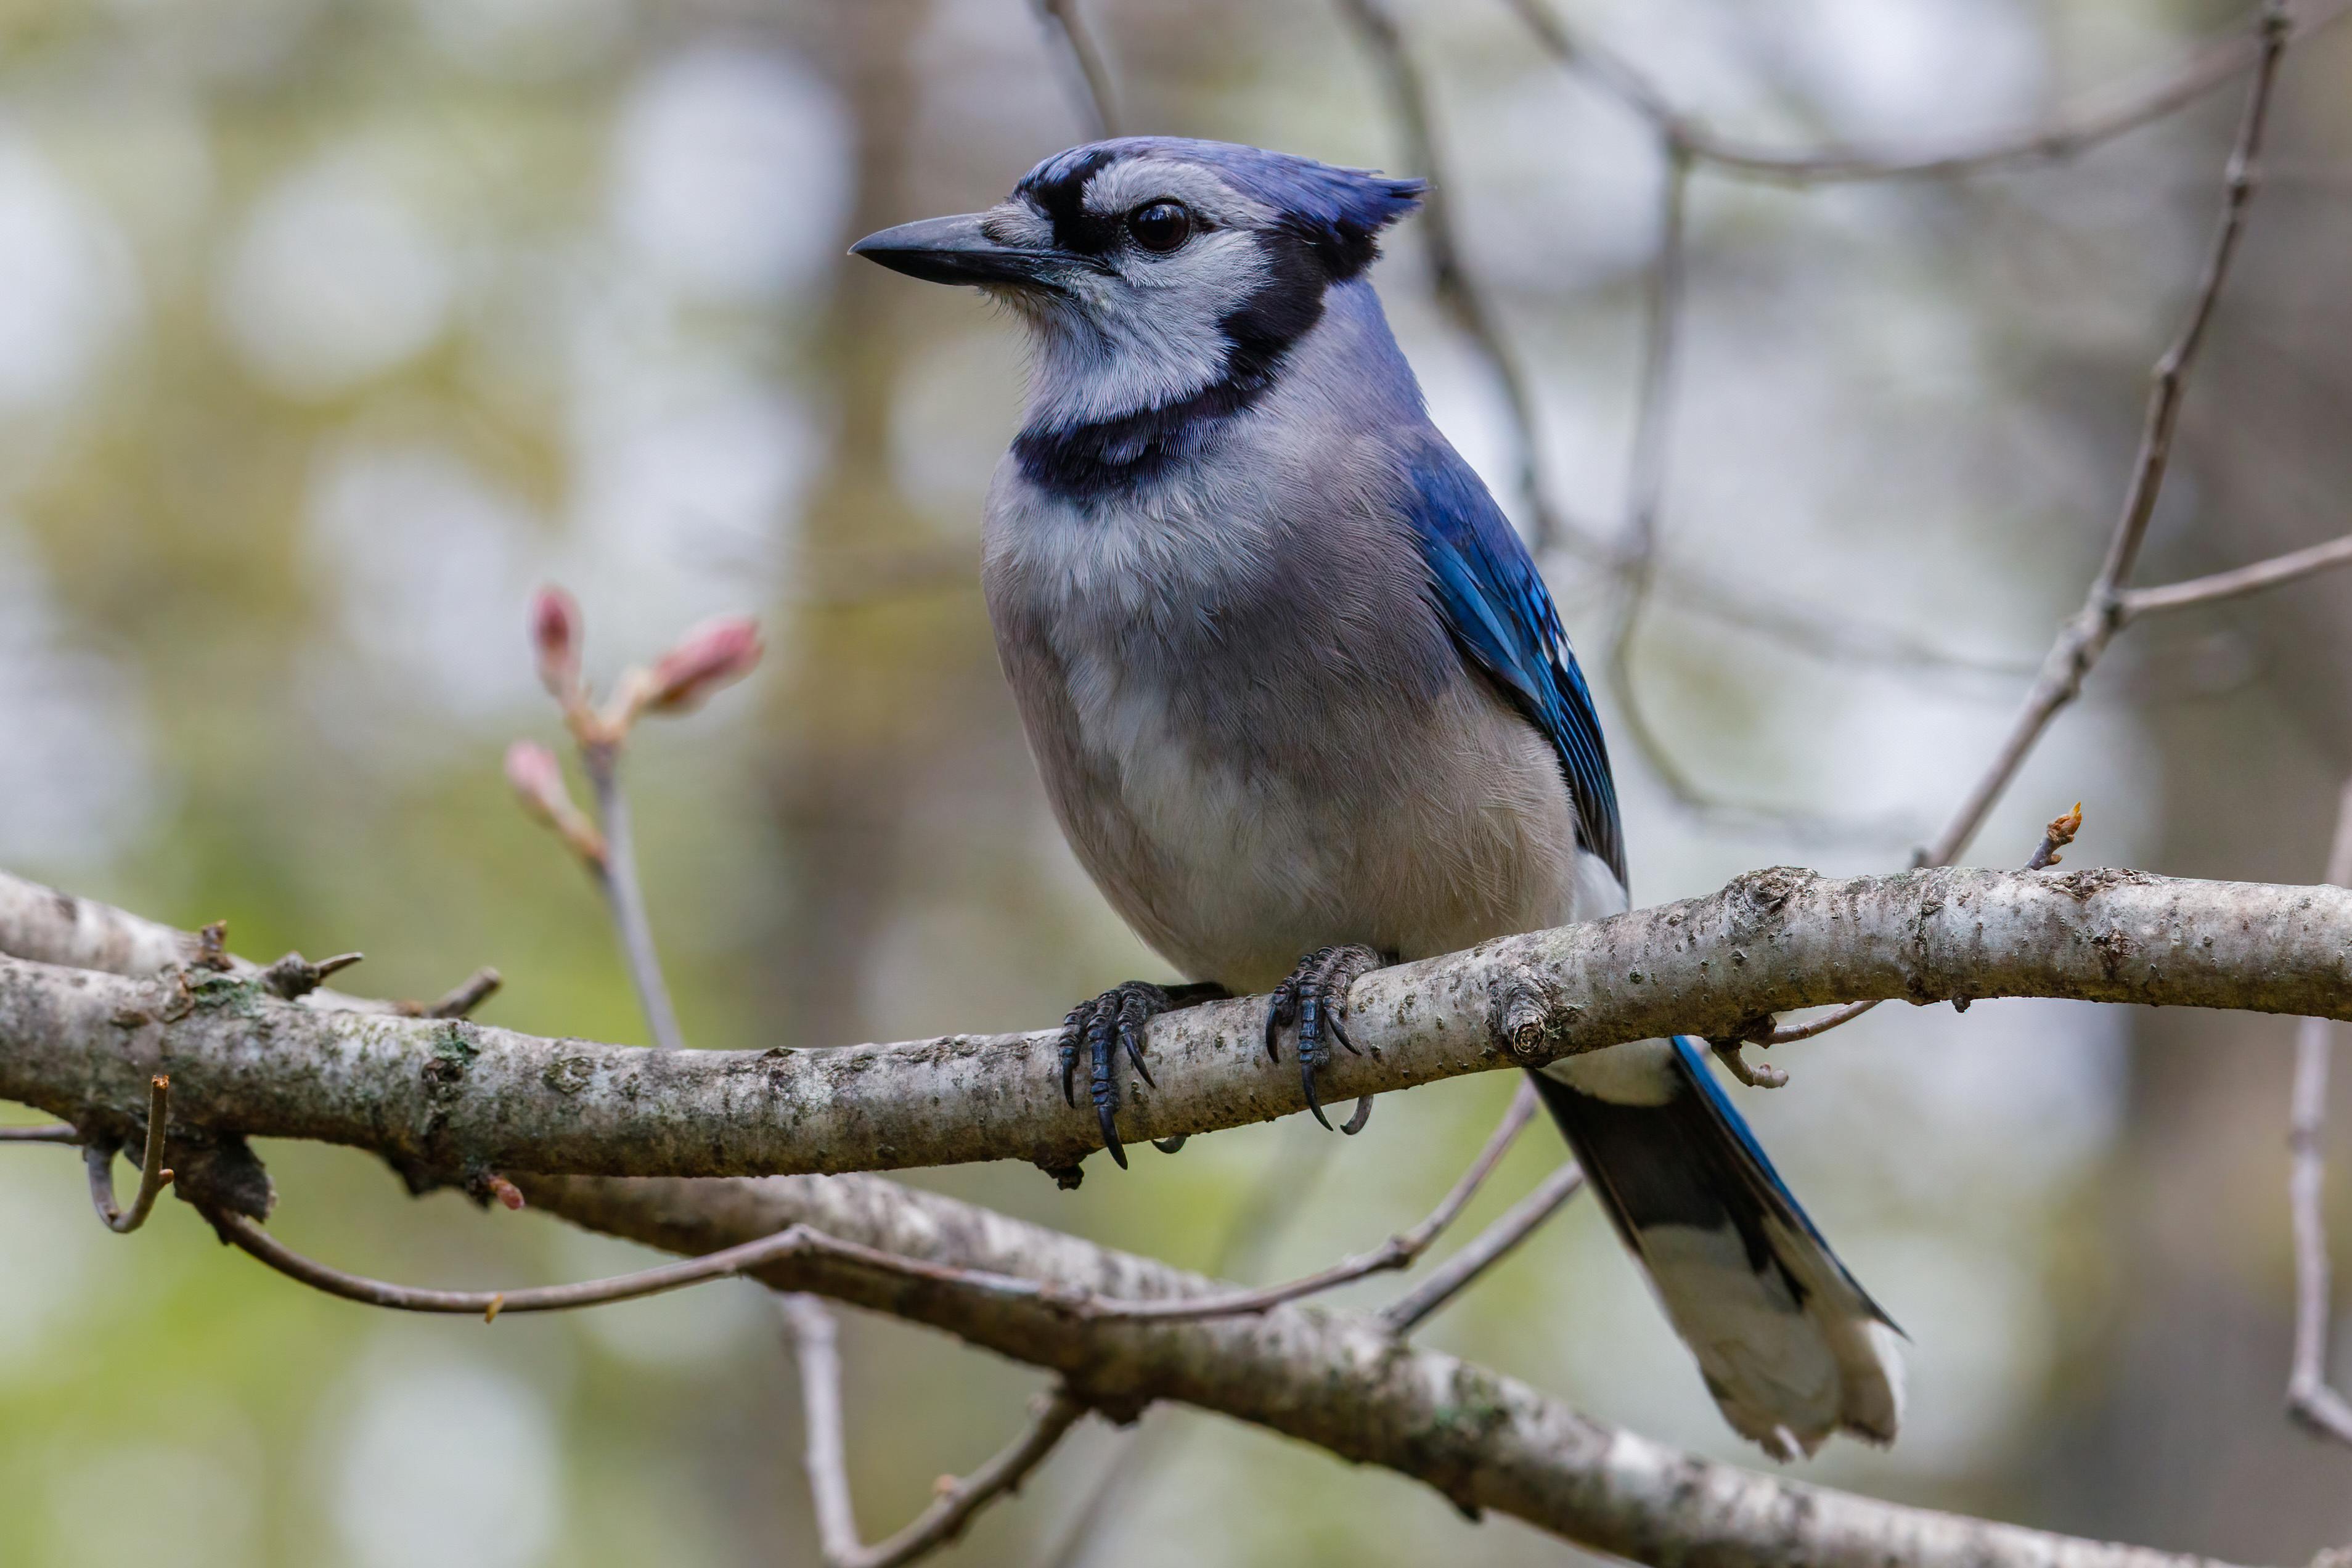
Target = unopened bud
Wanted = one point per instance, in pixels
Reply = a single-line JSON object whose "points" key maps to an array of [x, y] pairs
{"points": [[555, 638], [538, 781], [715, 654]]}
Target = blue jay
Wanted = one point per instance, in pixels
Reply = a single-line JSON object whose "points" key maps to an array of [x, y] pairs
{"points": [[1297, 686]]}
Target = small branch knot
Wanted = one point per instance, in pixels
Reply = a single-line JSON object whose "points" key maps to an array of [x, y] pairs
{"points": [[1524, 1021], [294, 976]]}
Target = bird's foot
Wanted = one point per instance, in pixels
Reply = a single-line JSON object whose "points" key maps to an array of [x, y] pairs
{"points": [[1113, 1022], [1315, 997]]}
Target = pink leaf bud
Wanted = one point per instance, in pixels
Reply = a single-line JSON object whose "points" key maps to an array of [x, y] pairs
{"points": [[555, 638], [538, 780], [715, 654]]}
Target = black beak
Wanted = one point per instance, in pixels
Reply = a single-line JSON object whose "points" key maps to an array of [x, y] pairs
{"points": [[954, 250]]}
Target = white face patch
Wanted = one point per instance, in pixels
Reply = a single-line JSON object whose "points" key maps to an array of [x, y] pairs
{"points": [[1139, 331]]}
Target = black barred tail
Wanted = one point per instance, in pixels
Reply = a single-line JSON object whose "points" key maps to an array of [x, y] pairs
{"points": [[1791, 1347]]}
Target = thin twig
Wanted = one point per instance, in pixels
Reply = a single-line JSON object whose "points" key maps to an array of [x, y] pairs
{"points": [[1465, 299], [1646, 467], [616, 877], [54, 1132], [1274, 1200], [1821, 1026], [816, 1349], [1089, 73], [1399, 1251], [1457, 290], [1483, 1251], [2055, 837], [242, 1233], [2208, 67], [1636, 559], [99, 1158], [2309, 1399], [816, 1346], [2086, 637], [2134, 603], [469, 994]]}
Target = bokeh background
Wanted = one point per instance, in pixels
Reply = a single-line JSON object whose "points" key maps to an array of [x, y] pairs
{"points": [[329, 331]]}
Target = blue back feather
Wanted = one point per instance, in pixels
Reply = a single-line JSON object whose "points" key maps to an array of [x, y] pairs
{"points": [[1494, 603]]}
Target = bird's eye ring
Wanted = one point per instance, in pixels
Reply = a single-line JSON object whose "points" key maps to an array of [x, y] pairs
{"points": [[1159, 226]]}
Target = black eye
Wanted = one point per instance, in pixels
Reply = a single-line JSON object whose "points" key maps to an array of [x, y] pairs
{"points": [[1159, 226]]}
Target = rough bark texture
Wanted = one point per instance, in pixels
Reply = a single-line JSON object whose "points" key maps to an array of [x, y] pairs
{"points": [[72, 1039], [451, 1097], [1334, 1379]]}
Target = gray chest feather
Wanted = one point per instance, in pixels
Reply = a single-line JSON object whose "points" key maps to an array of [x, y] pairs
{"points": [[1259, 736]]}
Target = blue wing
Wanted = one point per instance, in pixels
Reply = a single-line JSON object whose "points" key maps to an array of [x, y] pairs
{"points": [[1494, 603]]}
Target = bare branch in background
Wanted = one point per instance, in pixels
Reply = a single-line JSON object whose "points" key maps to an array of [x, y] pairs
{"points": [[2309, 1396], [2134, 603], [816, 1346], [1685, 141], [1400, 1251], [2067, 135], [152, 1177], [1081, 59], [1483, 1251], [1637, 566], [1646, 484], [2085, 638], [1275, 1202], [1329, 1377], [1457, 290], [56, 1132], [749, 1257]]}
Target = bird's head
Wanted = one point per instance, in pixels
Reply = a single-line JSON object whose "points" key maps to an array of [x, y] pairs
{"points": [[1152, 268]]}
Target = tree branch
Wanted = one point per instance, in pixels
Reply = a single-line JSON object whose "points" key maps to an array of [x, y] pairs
{"points": [[2085, 638], [99, 1158], [1335, 1379], [617, 877], [1485, 1249], [2065, 136], [1457, 290], [816, 1349], [453, 1097], [1091, 93], [2309, 1397], [2237, 582]]}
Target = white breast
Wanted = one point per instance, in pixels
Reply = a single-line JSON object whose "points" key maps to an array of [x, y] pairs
{"points": [[1242, 799]]}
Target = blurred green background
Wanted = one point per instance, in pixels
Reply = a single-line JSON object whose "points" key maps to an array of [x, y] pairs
{"points": [[330, 331]]}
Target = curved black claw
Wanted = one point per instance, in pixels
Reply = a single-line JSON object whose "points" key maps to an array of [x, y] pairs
{"points": [[1112, 1023], [1315, 997]]}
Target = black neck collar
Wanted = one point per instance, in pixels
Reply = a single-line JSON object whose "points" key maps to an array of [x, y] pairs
{"points": [[1125, 450]]}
